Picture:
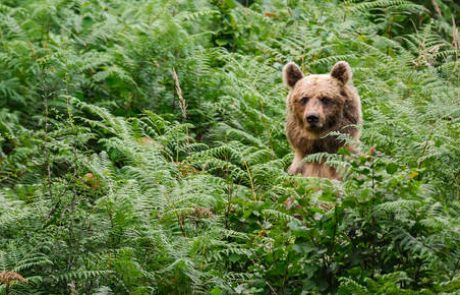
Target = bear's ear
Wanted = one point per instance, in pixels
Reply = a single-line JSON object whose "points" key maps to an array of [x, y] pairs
{"points": [[291, 74], [341, 71]]}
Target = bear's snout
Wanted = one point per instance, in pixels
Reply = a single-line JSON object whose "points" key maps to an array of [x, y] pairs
{"points": [[312, 119]]}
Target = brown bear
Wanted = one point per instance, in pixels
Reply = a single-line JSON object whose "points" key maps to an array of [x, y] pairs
{"points": [[316, 106]]}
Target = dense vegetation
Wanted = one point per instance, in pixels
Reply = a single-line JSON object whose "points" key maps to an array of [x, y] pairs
{"points": [[142, 149]]}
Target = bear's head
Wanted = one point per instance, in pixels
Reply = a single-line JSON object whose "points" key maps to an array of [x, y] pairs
{"points": [[317, 102]]}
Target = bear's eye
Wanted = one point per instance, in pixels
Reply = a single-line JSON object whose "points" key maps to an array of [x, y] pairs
{"points": [[303, 100], [326, 100]]}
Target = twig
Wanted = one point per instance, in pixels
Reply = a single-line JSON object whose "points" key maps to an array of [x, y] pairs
{"points": [[436, 8], [182, 103], [455, 40]]}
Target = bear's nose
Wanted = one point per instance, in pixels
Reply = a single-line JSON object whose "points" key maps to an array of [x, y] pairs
{"points": [[312, 119]]}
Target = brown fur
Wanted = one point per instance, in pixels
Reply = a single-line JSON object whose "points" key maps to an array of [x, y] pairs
{"points": [[333, 101]]}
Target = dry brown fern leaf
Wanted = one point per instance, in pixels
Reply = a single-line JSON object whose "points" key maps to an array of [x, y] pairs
{"points": [[10, 277]]}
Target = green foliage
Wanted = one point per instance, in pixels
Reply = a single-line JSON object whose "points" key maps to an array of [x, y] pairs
{"points": [[142, 148]]}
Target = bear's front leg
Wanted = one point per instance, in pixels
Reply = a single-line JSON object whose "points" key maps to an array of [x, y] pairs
{"points": [[297, 164]]}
